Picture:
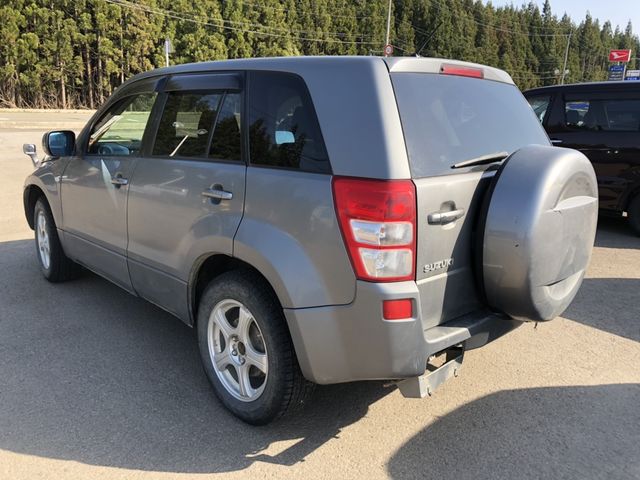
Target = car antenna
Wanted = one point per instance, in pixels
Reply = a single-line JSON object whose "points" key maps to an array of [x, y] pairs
{"points": [[433, 32]]}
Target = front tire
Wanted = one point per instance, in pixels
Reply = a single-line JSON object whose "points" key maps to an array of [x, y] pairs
{"points": [[54, 264], [634, 214], [246, 349]]}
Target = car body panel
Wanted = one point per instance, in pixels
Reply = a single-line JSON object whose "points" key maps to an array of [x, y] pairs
{"points": [[283, 235], [171, 224]]}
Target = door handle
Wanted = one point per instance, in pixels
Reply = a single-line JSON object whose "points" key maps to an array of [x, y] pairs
{"points": [[442, 218], [556, 141], [217, 194], [119, 181]]}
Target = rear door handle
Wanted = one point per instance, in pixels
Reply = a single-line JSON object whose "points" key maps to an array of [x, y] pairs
{"points": [[442, 218], [217, 194]]}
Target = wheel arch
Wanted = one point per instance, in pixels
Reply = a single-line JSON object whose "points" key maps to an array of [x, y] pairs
{"points": [[31, 195], [210, 266]]}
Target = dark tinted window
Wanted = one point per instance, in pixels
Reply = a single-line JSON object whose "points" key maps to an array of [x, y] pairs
{"points": [[540, 105], [187, 124], [448, 119], [226, 136], [603, 115], [119, 131], [575, 114], [283, 128]]}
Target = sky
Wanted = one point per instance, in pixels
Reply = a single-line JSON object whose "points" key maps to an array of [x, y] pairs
{"points": [[619, 12]]}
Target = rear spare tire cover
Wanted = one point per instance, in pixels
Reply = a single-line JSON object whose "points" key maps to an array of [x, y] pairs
{"points": [[539, 230]]}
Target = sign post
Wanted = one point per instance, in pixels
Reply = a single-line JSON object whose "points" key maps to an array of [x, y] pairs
{"points": [[167, 50], [616, 73], [632, 75], [620, 58]]}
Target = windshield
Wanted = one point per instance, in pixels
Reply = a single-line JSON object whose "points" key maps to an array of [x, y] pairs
{"points": [[448, 119]]}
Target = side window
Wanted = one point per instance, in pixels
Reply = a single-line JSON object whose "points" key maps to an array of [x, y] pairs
{"points": [[186, 124], [579, 114], [119, 132], [283, 127], [604, 115], [622, 115], [227, 140], [540, 105]]}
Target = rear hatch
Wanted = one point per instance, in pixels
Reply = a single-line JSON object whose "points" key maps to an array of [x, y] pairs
{"points": [[451, 113]]}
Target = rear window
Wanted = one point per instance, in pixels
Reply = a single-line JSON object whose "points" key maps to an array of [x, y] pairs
{"points": [[448, 119]]}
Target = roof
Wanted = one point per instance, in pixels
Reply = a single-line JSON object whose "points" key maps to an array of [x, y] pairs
{"points": [[301, 64], [578, 87]]}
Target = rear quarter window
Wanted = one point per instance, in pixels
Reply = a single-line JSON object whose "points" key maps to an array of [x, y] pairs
{"points": [[448, 119], [283, 127]]}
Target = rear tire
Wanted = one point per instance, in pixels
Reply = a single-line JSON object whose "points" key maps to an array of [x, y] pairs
{"points": [[54, 264], [246, 349], [634, 214]]}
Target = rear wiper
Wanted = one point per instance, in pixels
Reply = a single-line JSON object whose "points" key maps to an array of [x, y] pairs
{"points": [[489, 158]]}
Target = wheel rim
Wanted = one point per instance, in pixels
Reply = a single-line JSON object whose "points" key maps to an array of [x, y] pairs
{"points": [[237, 350], [42, 238]]}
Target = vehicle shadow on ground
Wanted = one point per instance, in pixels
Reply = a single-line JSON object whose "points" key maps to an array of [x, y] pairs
{"points": [[91, 374], [614, 232], [608, 304], [566, 432]]}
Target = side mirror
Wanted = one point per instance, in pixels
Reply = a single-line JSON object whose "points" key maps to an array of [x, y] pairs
{"points": [[29, 150], [60, 143]]}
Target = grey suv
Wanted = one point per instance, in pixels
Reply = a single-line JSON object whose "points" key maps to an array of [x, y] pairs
{"points": [[320, 220]]}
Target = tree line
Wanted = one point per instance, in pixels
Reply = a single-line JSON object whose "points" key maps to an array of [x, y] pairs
{"points": [[74, 53]]}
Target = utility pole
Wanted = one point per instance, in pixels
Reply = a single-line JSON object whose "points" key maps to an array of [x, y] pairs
{"points": [[566, 56], [386, 42]]}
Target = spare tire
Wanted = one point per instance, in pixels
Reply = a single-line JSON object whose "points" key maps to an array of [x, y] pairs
{"points": [[537, 233]]}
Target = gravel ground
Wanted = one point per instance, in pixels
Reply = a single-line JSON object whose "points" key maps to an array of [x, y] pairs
{"points": [[95, 383]]}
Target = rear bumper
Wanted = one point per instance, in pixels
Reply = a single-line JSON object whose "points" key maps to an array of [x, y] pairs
{"points": [[353, 342]]}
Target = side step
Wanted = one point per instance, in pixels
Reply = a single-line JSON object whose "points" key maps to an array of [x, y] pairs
{"points": [[425, 384]]}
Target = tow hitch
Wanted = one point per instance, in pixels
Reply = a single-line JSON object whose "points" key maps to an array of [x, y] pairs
{"points": [[440, 368]]}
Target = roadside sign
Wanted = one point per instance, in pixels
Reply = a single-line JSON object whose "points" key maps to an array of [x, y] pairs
{"points": [[616, 73], [388, 50], [632, 75], [619, 55]]}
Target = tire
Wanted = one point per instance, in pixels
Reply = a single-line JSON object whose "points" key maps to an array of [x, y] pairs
{"points": [[634, 214], [54, 264], [246, 349]]}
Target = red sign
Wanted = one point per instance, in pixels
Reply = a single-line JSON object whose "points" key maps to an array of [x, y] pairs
{"points": [[619, 55], [388, 50]]}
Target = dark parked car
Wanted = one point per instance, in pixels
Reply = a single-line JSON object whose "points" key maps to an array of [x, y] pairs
{"points": [[602, 120]]}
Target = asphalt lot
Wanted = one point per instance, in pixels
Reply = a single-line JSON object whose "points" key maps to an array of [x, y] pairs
{"points": [[95, 383]]}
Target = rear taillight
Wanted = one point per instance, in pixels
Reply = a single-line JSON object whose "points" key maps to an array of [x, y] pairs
{"points": [[378, 223]]}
